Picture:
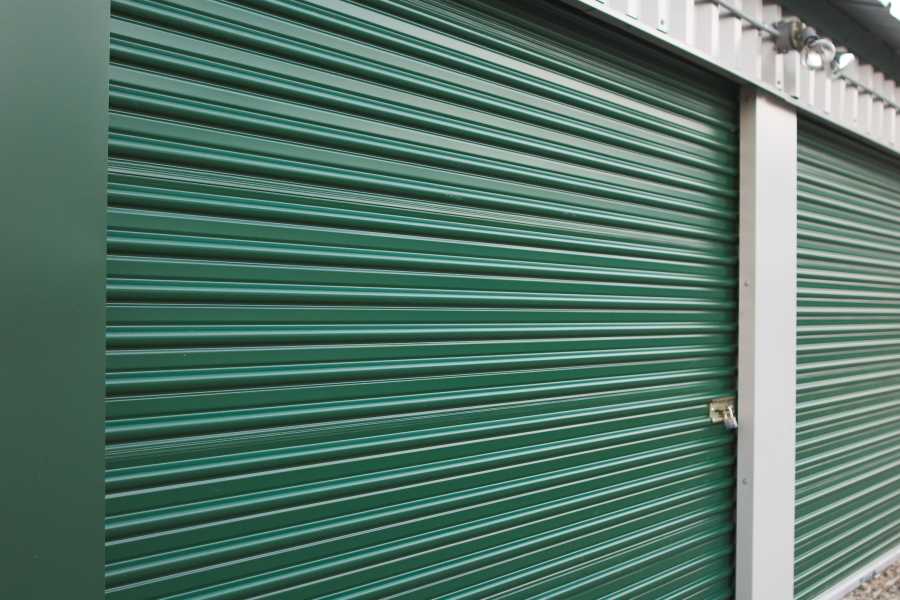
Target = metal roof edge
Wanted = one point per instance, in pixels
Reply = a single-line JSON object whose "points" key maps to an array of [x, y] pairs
{"points": [[700, 32]]}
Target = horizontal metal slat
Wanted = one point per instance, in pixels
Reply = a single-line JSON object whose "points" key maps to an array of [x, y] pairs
{"points": [[397, 306], [848, 414]]}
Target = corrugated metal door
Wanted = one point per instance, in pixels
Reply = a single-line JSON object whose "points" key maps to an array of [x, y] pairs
{"points": [[415, 299], [848, 379]]}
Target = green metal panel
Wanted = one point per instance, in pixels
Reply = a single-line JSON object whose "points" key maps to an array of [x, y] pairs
{"points": [[848, 382], [53, 77], [415, 299]]}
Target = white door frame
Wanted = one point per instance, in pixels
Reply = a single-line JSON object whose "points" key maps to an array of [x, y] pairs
{"points": [[767, 326]]}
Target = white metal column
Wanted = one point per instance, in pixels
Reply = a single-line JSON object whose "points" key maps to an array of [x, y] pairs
{"points": [[766, 348]]}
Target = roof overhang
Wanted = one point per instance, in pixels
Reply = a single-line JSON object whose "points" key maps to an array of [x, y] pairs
{"points": [[864, 102]]}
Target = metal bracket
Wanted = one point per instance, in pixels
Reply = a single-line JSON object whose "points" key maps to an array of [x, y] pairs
{"points": [[721, 410]]}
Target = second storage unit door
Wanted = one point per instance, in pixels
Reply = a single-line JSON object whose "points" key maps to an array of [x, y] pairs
{"points": [[848, 378], [414, 300]]}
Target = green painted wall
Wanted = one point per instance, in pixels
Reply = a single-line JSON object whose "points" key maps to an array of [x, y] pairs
{"points": [[53, 70]]}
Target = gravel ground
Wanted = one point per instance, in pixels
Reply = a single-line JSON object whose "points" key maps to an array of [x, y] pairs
{"points": [[884, 586]]}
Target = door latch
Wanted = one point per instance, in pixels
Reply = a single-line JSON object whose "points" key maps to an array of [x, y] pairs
{"points": [[721, 410]]}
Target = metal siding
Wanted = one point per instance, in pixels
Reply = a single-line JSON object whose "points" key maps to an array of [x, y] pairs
{"points": [[415, 300], [848, 421]]}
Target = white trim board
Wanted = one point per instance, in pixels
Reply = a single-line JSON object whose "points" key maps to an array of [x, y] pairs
{"points": [[767, 322]]}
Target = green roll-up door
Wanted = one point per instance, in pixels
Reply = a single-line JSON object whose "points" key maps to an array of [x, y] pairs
{"points": [[848, 380], [415, 300]]}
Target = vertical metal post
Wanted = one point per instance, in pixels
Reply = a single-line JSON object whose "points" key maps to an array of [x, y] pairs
{"points": [[54, 65], [766, 348]]}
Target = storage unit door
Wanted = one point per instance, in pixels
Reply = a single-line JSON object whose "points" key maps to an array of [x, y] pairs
{"points": [[848, 371], [415, 299]]}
